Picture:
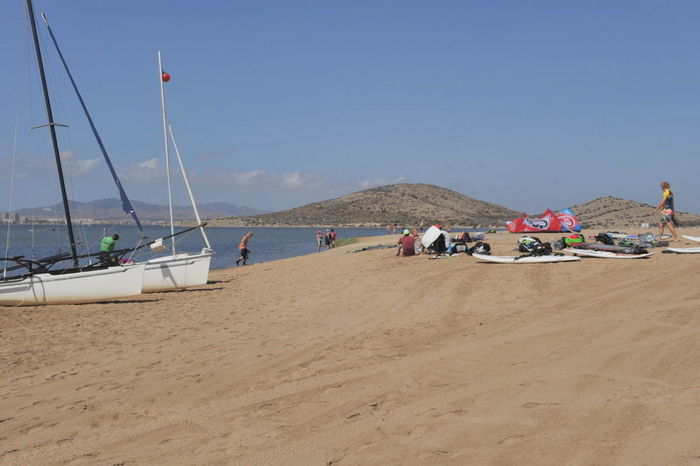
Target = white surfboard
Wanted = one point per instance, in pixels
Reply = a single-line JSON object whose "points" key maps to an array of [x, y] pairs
{"points": [[635, 237], [525, 259], [692, 238], [605, 254], [430, 235], [684, 250]]}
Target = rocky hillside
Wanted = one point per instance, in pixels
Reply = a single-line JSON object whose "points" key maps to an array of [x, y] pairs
{"points": [[401, 204], [408, 204], [612, 212]]}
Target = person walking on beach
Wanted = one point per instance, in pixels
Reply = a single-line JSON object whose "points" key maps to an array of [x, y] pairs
{"points": [[319, 239], [667, 211], [243, 248], [332, 238]]}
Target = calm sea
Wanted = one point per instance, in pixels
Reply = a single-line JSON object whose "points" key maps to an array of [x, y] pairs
{"points": [[267, 244]]}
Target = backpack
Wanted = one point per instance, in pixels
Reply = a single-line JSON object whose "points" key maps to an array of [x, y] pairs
{"points": [[463, 237], [534, 246], [438, 245], [574, 240], [605, 239], [480, 248]]}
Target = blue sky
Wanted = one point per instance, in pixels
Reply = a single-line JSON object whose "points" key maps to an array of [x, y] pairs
{"points": [[276, 104]]}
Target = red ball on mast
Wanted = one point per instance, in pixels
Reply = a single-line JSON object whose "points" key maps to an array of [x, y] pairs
{"points": [[166, 77]]}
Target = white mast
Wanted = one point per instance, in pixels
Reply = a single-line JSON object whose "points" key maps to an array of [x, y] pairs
{"points": [[167, 150], [187, 183]]}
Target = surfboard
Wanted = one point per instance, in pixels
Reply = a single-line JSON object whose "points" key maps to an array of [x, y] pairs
{"points": [[525, 259], [430, 235], [683, 250], [692, 238], [605, 254], [635, 237]]}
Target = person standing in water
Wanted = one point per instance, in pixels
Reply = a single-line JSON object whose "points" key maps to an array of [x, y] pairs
{"points": [[667, 211], [243, 248], [319, 239]]}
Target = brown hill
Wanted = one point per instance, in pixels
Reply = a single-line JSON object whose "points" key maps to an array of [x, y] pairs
{"points": [[401, 204], [612, 213], [408, 204]]}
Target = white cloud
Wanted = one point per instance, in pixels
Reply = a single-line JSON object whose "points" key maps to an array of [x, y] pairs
{"points": [[78, 167], [296, 182], [143, 172], [149, 164]]}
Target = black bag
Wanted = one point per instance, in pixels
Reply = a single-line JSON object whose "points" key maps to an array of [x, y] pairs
{"points": [[534, 246], [480, 248], [438, 245], [605, 239], [635, 249], [460, 247]]}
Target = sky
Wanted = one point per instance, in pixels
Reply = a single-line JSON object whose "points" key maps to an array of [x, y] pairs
{"points": [[276, 104]]}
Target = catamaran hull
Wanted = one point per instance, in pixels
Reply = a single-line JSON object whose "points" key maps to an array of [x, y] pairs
{"points": [[89, 286], [177, 271]]}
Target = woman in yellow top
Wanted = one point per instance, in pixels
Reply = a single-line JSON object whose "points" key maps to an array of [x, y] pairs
{"points": [[667, 211]]}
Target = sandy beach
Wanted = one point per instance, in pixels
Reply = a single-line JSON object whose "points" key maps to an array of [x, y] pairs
{"points": [[367, 359]]}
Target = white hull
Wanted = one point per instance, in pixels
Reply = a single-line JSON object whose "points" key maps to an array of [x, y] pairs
{"points": [[177, 271], [73, 288]]}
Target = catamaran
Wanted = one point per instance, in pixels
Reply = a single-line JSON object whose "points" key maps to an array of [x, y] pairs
{"points": [[65, 278], [176, 270]]}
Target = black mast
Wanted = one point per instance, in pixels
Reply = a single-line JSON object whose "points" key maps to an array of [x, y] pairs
{"points": [[49, 115]]}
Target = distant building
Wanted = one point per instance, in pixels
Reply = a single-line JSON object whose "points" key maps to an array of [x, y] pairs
{"points": [[10, 217]]}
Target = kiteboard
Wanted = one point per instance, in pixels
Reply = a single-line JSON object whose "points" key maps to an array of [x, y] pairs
{"points": [[430, 235], [525, 259], [683, 250], [692, 238], [633, 237], [605, 254]]}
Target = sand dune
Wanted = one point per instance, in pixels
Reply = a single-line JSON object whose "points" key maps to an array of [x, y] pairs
{"points": [[367, 359]]}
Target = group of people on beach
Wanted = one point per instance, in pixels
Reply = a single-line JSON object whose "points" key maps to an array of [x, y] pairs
{"points": [[411, 242], [327, 239]]}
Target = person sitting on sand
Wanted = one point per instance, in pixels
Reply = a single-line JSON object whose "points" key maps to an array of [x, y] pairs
{"points": [[406, 245], [417, 244], [668, 211]]}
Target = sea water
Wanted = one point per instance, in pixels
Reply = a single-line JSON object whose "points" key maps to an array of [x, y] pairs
{"points": [[267, 243]]}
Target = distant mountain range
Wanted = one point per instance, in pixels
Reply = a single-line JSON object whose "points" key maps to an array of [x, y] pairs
{"points": [[403, 204], [111, 209]]}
